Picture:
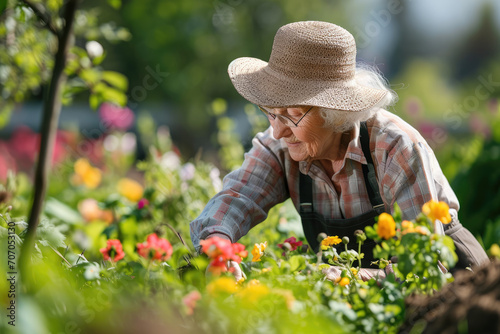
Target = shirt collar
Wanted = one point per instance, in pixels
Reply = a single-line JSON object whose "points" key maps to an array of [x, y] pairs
{"points": [[354, 152]]}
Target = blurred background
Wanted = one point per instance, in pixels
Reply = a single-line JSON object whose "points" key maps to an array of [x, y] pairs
{"points": [[442, 59]]}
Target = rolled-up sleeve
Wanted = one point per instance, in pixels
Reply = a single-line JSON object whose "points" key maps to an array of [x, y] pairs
{"points": [[247, 195]]}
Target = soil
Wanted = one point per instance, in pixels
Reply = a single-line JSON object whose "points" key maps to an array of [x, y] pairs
{"points": [[470, 304]]}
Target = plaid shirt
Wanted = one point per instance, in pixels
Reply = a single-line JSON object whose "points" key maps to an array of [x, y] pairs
{"points": [[407, 171]]}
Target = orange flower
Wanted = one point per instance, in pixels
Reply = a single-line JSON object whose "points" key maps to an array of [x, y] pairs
{"points": [[407, 226], [437, 211], [85, 174], [386, 227], [330, 241], [344, 281], [130, 189], [90, 211], [422, 230]]}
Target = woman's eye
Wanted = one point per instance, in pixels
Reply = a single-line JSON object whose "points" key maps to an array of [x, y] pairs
{"points": [[295, 114]]}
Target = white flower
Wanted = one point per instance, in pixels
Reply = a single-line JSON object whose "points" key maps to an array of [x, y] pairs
{"points": [[215, 177], [94, 49], [170, 161], [128, 142], [187, 171]]}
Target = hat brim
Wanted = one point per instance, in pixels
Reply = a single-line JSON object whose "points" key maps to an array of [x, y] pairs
{"points": [[259, 84]]}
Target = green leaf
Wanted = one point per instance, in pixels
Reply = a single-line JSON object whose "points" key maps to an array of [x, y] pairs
{"points": [[219, 106], [48, 233], [116, 4], [115, 79], [94, 101], [90, 76], [62, 211], [297, 263], [114, 96]]}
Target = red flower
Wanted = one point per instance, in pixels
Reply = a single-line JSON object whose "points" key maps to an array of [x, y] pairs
{"points": [[215, 247], [221, 250], [113, 250], [155, 248], [293, 242], [239, 252]]}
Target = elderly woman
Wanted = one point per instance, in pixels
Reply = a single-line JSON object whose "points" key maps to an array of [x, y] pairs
{"points": [[331, 147]]}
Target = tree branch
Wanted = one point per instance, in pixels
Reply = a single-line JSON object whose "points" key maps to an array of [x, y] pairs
{"points": [[43, 16]]}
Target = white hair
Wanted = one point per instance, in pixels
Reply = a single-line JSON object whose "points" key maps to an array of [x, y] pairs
{"points": [[369, 76]]}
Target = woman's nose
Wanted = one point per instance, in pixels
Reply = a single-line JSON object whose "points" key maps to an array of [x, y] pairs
{"points": [[280, 130]]}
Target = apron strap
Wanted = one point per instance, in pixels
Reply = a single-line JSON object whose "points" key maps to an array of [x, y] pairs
{"points": [[306, 197], [369, 169]]}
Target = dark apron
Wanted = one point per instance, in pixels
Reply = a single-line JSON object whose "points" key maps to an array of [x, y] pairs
{"points": [[314, 223]]}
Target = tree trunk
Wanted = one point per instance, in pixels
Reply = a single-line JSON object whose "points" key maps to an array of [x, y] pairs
{"points": [[51, 111]]}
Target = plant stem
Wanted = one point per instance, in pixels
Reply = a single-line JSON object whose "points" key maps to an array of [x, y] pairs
{"points": [[51, 111], [359, 254]]}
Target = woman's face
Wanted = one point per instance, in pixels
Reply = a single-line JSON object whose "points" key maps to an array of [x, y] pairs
{"points": [[310, 139]]}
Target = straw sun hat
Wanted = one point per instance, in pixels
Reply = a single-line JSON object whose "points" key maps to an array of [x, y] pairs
{"points": [[312, 63]]}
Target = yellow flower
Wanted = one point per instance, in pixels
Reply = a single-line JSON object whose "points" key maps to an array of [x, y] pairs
{"points": [[266, 270], [253, 292], [437, 211], [130, 189], [258, 251], [354, 271], [330, 241], [221, 286], [85, 174], [254, 282], [386, 227], [344, 281], [494, 251]]}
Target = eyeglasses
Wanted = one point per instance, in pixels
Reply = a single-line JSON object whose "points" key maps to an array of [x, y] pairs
{"points": [[283, 119]]}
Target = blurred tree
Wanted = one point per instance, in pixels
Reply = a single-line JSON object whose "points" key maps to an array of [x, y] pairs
{"points": [[189, 45], [40, 54], [479, 47]]}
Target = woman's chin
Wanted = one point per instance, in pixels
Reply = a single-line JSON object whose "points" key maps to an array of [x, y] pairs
{"points": [[297, 156]]}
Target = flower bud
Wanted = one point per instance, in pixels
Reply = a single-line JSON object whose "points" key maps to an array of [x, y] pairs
{"points": [[345, 240], [321, 236], [360, 236]]}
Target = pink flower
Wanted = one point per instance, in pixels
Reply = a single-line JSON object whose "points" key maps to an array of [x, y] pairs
{"points": [[115, 117], [113, 250], [190, 300], [142, 203], [155, 248]]}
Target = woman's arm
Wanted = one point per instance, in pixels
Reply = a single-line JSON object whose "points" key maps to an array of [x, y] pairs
{"points": [[247, 195]]}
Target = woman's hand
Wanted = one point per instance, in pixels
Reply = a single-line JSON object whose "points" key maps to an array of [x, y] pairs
{"points": [[232, 267], [333, 273]]}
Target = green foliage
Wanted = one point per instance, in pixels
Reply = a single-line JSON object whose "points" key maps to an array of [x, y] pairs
{"points": [[28, 58], [480, 206]]}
